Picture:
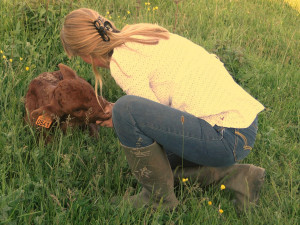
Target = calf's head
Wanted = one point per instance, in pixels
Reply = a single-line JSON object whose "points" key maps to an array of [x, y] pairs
{"points": [[75, 98]]}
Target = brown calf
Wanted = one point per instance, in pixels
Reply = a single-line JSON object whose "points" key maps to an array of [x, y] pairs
{"points": [[67, 97]]}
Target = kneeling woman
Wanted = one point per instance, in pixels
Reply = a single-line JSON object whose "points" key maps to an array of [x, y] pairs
{"points": [[182, 108]]}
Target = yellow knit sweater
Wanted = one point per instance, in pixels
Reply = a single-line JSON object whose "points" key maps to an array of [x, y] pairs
{"points": [[184, 76]]}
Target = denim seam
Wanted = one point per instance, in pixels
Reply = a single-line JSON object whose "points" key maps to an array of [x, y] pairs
{"points": [[235, 145], [150, 125]]}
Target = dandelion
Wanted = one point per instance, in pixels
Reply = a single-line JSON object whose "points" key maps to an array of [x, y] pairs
{"points": [[128, 12], [148, 9], [21, 58], [294, 3], [1, 51], [221, 211], [156, 7], [185, 180], [223, 187], [107, 13], [209, 203], [147, 3], [10, 60], [27, 68], [4, 57]]}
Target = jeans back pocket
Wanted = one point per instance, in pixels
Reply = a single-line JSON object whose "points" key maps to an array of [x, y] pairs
{"points": [[244, 142]]}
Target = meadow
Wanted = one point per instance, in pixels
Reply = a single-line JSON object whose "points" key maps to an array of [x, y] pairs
{"points": [[72, 179]]}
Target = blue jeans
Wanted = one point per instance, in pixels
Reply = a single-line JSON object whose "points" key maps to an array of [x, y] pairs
{"points": [[187, 140]]}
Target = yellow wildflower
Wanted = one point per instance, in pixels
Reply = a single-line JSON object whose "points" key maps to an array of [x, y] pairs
{"points": [[223, 187], [4, 57], [109, 17], [10, 60], [27, 68], [1, 51], [148, 8], [156, 7], [209, 203], [21, 58], [147, 3], [294, 3], [107, 12], [128, 12], [185, 180], [221, 211]]}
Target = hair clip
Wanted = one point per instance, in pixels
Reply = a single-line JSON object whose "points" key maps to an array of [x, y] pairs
{"points": [[102, 29], [108, 25]]}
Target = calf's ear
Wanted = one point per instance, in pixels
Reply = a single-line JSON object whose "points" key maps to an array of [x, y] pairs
{"points": [[67, 72], [49, 110]]}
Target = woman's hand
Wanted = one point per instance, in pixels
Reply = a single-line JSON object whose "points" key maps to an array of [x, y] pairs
{"points": [[105, 123], [108, 122]]}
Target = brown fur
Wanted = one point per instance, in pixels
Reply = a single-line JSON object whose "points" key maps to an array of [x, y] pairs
{"points": [[65, 96]]}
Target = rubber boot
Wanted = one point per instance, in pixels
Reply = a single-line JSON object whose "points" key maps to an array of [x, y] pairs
{"points": [[152, 169], [244, 179]]}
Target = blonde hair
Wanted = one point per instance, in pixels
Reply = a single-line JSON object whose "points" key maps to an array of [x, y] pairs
{"points": [[80, 37]]}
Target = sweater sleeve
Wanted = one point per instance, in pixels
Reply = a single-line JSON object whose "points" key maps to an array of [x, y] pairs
{"points": [[133, 78], [137, 85]]}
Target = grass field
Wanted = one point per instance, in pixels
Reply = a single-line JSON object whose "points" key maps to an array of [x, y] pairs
{"points": [[71, 180]]}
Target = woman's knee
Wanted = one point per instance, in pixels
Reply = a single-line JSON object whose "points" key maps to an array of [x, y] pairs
{"points": [[122, 103], [122, 110], [125, 125], [120, 106]]}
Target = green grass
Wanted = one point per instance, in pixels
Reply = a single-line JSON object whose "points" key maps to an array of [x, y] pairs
{"points": [[71, 180]]}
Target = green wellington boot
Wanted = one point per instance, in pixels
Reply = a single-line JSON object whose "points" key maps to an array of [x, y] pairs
{"points": [[244, 179], [151, 167]]}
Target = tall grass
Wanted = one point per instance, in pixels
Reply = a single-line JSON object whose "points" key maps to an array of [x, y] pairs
{"points": [[71, 180]]}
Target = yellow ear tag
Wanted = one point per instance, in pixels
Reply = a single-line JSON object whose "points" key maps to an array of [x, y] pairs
{"points": [[44, 121]]}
